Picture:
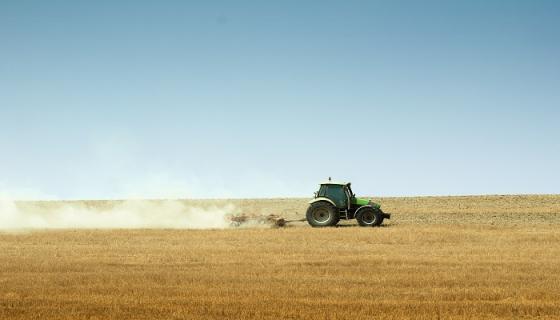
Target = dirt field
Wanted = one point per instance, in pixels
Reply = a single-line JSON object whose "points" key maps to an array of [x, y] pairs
{"points": [[438, 257]]}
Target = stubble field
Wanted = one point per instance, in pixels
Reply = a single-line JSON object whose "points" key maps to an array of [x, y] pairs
{"points": [[438, 257]]}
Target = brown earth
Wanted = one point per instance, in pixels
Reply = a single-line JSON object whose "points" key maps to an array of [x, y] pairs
{"points": [[438, 257]]}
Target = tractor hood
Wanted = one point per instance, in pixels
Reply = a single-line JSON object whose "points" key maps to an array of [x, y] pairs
{"points": [[365, 202]]}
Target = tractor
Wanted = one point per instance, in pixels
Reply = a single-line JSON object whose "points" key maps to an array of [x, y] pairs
{"points": [[335, 201]]}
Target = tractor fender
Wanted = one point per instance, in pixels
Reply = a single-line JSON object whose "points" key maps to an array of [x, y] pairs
{"points": [[362, 207], [322, 199], [385, 215]]}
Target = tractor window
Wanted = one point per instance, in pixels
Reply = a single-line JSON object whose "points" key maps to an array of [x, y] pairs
{"points": [[350, 193], [322, 191], [336, 193]]}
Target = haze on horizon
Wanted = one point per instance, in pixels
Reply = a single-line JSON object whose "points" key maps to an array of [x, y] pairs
{"points": [[216, 99]]}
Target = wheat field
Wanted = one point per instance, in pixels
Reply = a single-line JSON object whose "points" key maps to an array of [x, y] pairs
{"points": [[438, 257]]}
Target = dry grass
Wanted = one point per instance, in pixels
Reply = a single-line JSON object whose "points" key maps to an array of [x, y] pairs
{"points": [[447, 257]]}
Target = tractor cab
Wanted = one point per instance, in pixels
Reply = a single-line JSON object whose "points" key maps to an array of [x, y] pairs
{"points": [[339, 193]]}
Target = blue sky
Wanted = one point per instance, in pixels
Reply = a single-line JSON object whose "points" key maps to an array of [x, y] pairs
{"points": [[113, 99]]}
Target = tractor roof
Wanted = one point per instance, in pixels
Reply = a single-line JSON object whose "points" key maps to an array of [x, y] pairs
{"points": [[339, 183]]}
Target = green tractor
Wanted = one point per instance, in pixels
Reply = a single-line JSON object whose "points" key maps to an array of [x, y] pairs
{"points": [[335, 201]]}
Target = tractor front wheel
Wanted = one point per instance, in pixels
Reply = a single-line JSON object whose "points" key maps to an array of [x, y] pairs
{"points": [[322, 214], [369, 217]]}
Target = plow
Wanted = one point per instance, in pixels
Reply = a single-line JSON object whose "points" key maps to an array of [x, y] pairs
{"points": [[270, 220]]}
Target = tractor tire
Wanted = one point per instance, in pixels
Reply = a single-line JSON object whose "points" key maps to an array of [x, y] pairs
{"points": [[322, 214], [369, 217]]}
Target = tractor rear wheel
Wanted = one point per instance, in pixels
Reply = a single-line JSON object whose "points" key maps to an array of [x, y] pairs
{"points": [[322, 214], [369, 217]]}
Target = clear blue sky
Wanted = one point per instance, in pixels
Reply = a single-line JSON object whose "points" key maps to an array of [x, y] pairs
{"points": [[112, 99]]}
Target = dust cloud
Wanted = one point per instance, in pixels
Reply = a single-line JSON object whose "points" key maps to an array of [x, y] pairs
{"points": [[133, 214]]}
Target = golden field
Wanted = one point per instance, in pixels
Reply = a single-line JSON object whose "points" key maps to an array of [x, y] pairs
{"points": [[438, 257]]}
